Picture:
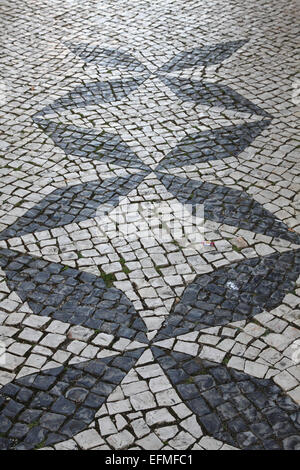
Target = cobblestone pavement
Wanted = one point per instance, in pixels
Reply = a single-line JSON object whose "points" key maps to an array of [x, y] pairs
{"points": [[141, 342]]}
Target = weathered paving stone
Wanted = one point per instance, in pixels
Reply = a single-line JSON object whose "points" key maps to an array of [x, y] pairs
{"points": [[121, 440], [70, 296], [66, 415], [207, 55], [106, 57], [228, 206], [72, 204], [88, 439], [211, 94], [149, 102], [216, 394], [233, 293], [93, 93], [87, 143], [211, 145]]}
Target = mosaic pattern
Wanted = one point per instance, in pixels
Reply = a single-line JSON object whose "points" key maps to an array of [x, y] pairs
{"points": [[63, 402], [209, 55], [107, 57], [213, 145], [137, 342], [72, 204], [59, 402], [232, 406], [90, 144], [228, 206], [211, 94], [93, 93], [234, 293], [71, 296]]}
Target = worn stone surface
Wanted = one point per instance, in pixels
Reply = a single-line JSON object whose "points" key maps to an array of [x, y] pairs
{"points": [[149, 338]]}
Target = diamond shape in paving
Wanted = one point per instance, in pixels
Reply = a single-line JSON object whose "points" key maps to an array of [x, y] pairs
{"points": [[228, 206], [234, 293], [73, 204]]}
